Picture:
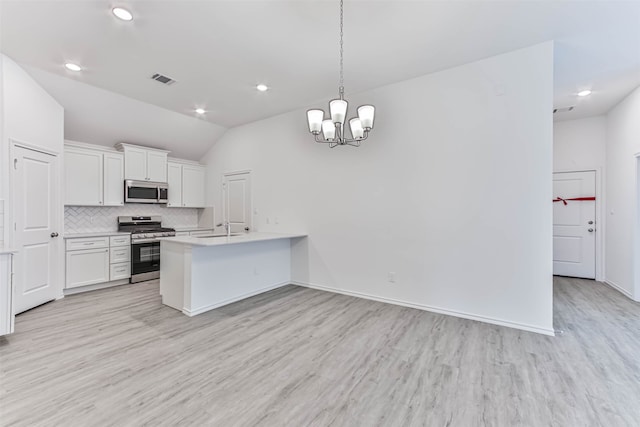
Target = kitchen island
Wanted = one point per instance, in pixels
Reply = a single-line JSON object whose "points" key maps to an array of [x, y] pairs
{"points": [[198, 274]]}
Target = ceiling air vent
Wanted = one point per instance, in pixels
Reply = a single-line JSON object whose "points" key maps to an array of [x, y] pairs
{"points": [[163, 79], [563, 109]]}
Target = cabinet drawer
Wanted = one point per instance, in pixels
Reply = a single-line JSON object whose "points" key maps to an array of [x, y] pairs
{"points": [[87, 243], [124, 240], [120, 254], [120, 271]]}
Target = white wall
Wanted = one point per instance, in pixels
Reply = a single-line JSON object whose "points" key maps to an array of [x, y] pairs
{"points": [[580, 145], [451, 192], [30, 116], [623, 143]]}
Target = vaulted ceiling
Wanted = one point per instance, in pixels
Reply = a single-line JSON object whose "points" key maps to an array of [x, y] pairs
{"points": [[218, 51]]}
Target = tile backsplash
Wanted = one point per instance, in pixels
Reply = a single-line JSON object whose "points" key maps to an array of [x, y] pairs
{"points": [[87, 219]]}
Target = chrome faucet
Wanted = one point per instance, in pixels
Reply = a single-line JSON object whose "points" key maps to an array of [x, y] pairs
{"points": [[227, 227]]}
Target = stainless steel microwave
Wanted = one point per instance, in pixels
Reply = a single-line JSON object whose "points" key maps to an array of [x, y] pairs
{"points": [[145, 191]]}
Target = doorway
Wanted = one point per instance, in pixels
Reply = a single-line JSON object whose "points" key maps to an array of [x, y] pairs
{"points": [[36, 213], [574, 224], [236, 200]]}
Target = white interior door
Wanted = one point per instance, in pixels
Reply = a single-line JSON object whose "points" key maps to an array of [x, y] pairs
{"points": [[574, 227], [236, 189], [36, 203]]}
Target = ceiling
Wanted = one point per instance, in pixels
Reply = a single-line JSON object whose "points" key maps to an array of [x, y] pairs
{"points": [[219, 50]]}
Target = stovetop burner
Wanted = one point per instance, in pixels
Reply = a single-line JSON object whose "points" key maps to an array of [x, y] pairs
{"points": [[144, 227]]}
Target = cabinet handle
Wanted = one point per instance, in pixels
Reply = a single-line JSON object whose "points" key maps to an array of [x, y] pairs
{"points": [[88, 244]]}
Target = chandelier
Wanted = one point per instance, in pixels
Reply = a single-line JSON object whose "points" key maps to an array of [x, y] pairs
{"points": [[333, 129]]}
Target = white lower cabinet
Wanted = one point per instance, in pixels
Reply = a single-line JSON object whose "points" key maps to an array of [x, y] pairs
{"points": [[6, 292], [87, 267], [120, 271], [95, 260], [120, 254]]}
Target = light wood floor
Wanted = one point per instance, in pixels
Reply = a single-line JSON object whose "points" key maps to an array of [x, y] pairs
{"points": [[298, 357]]}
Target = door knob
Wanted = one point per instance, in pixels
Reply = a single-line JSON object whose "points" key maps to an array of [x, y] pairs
{"points": [[54, 234], [590, 230], [590, 222]]}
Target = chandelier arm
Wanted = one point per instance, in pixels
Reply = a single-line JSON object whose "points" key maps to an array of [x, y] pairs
{"points": [[355, 142], [323, 141]]}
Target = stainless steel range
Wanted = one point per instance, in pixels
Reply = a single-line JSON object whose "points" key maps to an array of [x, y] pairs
{"points": [[145, 246]]}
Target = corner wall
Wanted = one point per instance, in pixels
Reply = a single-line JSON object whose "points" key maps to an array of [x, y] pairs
{"points": [[623, 144], [451, 193]]}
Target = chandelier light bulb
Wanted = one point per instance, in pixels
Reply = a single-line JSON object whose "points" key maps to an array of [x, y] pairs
{"points": [[338, 110], [366, 114], [328, 129], [357, 132], [315, 118]]}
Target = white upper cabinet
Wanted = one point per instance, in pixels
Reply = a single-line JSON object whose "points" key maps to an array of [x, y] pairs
{"points": [[135, 164], [193, 186], [144, 164], [93, 177], [186, 185], [157, 166], [113, 193], [83, 177], [174, 180]]}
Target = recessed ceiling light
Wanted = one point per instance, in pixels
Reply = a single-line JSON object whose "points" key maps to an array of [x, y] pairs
{"points": [[73, 67], [122, 13], [262, 87], [200, 110], [584, 93]]}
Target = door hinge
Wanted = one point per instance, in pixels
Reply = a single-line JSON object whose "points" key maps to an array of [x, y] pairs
{"points": [[15, 164]]}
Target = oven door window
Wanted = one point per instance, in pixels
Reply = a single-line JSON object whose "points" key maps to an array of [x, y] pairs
{"points": [[145, 257], [142, 193]]}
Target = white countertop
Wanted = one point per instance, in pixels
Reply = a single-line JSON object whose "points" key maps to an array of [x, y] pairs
{"points": [[7, 251], [94, 234], [233, 240], [196, 228]]}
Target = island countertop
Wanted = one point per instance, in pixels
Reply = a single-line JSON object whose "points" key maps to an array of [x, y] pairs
{"points": [[222, 239]]}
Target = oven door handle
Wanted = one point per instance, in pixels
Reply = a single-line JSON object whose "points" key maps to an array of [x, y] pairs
{"points": [[140, 241]]}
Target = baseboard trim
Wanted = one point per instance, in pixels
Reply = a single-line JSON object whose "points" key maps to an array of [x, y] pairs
{"points": [[491, 320], [619, 288], [72, 291], [205, 308]]}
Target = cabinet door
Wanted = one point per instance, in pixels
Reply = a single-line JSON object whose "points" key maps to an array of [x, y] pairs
{"points": [[157, 166], [6, 292], [193, 186], [135, 163], [174, 179], [82, 177], [113, 179], [87, 267]]}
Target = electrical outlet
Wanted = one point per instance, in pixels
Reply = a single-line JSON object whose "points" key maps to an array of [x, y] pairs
{"points": [[277, 221], [268, 220], [391, 277], [255, 271]]}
